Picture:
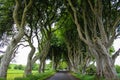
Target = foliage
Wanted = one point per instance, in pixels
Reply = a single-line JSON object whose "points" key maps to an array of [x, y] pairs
{"points": [[35, 67], [84, 77], [12, 66], [63, 65], [19, 67], [119, 75], [2, 79], [9, 67], [41, 76], [91, 69], [6, 20], [57, 48], [117, 68], [88, 77], [48, 66], [111, 50]]}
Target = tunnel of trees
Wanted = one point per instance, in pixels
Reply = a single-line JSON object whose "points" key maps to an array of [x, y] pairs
{"points": [[78, 33]]}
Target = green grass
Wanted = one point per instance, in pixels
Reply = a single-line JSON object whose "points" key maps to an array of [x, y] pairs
{"points": [[84, 77], [88, 77], [119, 75], [11, 74], [37, 76]]}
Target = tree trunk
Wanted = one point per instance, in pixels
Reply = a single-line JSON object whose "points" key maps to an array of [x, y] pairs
{"points": [[9, 51], [106, 68], [109, 70], [43, 55], [104, 62], [74, 56], [11, 47], [53, 61], [42, 67], [28, 68]]}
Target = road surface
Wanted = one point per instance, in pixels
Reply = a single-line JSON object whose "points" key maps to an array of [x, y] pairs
{"points": [[62, 75]]}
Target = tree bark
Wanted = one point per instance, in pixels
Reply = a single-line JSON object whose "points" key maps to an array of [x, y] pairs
{"points": [[74, 56], [11, 47], [98, 44], [53, 61], [9, 51], [28, 68], [44, 53]]}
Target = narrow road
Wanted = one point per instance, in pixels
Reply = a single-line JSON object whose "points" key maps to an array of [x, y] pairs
{"points": [[62, 75]]}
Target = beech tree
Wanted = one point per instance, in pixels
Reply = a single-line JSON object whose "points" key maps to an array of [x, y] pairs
{"points": [[77, 52], [57, 50], [28, 68], [20, 23], [101, 19]]}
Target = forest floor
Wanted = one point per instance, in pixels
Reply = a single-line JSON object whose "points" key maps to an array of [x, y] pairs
{"points": [[62, 75]]}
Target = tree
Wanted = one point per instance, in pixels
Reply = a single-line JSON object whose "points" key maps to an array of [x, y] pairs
{"points": [[6, 20], [98, 31], [78, 54], [28, 68], [57, 50], [20, 23], [46, 15], [19, 67]]}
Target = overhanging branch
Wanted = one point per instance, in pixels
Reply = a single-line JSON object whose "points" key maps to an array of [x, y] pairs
{"points": [[114, 56]]}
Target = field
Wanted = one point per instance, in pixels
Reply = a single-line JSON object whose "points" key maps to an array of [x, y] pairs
{"points": [[11, 74], [19, 74]]}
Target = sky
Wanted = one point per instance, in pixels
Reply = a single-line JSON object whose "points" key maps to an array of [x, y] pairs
{"points": [[21, 56], [116, 45]]}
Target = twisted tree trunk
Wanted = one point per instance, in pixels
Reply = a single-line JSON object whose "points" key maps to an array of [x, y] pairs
{"points": [[12, 46], [7, 56], [43, 55], [28, 68], [98, 43]]}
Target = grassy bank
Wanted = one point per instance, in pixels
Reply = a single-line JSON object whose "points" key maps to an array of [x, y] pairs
{"points": [[37, 76], [88, 77], [84, 77], [11, 74], [18, 75]]}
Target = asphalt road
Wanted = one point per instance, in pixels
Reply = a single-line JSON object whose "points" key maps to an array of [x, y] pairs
{"points": [[62, 75]]}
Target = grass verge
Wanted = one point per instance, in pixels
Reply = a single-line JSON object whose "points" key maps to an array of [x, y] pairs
{"points": [[37, 76], [88, 77], [84, 77]]}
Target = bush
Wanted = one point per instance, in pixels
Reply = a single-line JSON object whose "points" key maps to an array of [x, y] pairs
{"points": [[29, 77], [84, 77], [19, 67], [91, 69], [2, 79], [41, 76], [9, 67], [117, 68], [20, 78], [35, 67]]}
